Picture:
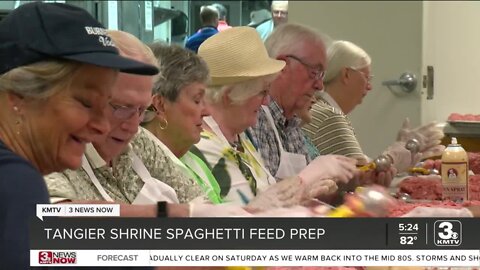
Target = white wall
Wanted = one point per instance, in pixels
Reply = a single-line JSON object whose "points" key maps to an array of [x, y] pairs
{"points": [[452, 45], [391, 32]]}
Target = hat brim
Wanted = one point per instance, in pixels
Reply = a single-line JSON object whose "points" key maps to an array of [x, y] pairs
{"points": [[114, 61], [271, 66]]}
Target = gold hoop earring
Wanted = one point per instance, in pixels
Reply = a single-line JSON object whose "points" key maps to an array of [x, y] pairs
{"points": [[17, 124], [163, 125]]}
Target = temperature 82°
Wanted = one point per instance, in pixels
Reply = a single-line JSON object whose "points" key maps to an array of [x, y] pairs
{"points": [[408, 239]]}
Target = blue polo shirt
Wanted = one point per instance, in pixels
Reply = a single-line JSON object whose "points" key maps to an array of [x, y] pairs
{"points": [[198, 38]]}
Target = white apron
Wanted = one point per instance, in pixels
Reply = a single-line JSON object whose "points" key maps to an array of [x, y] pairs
{"points": [[152, 191], [290, 164]]}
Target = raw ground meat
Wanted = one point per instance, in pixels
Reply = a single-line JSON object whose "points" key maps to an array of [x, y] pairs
{"points": [[402, 207], [464, 117], [474, 187], [474, 162], [422, 188], [430, 188]]}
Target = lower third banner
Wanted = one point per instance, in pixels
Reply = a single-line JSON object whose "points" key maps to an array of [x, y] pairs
{"points": [[434, 258], [255, 242]]}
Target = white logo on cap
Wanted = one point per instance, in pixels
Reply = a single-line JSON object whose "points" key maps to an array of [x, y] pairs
{"points": [[96, 31], [103, 38], [106, 41]]}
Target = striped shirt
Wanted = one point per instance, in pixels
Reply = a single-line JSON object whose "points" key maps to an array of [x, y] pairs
{"points": [[331, 131]]}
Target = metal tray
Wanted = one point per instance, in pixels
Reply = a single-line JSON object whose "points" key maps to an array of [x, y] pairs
{"points": [[470, 124]]}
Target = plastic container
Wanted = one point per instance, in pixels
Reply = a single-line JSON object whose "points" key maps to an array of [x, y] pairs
{"points": [[454, 172]]}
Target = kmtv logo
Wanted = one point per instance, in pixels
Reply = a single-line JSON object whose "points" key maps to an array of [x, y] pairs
{"points": [[447, 233], [49, 257]]}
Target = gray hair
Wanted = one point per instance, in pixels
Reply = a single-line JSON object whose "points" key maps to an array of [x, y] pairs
{"points": [[222, 10], [241, 91], [289, 37], [343, 54], [39, 80], [179, 67]]}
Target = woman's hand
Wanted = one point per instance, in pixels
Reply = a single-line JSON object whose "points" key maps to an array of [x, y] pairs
{"points": [[370, 177], [336, 167]]}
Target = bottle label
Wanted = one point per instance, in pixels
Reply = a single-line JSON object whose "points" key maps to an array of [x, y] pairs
{"points": [[455, 180]]}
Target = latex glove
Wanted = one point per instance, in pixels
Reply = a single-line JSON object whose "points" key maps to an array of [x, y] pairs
{"points": [[429, 136], [290, 192], [336, 167], [317, 188], [401, 156], [422, 211], [371, 177], [434, 151], [217, 210]]}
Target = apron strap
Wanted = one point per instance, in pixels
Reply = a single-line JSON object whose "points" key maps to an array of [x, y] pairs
{"points": [[140, 169], [88, 169], [274, 127], [270, 179]]}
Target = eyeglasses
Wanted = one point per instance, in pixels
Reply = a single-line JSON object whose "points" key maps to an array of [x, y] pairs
{"points": [[122, 112], [150, 114], [316, 73], [369, 78]]}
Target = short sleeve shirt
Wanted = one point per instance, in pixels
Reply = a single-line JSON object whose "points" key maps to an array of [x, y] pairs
{"points": [[21, 188]]}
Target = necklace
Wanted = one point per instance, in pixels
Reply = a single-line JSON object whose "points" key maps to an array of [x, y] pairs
{"points": [[237, 145]]}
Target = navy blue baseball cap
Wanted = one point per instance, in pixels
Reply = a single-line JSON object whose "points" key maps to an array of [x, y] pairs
{"points": [[39, 31]]}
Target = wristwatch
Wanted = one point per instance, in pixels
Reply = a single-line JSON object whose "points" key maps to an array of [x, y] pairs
{"points": [[162, 209]]}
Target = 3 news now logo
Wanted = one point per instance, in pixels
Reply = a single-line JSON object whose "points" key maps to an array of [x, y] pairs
{"points": [[50, 257], [447, 233]]}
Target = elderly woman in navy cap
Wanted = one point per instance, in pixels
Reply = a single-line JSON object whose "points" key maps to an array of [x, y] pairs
{"points": [[57, 66]]}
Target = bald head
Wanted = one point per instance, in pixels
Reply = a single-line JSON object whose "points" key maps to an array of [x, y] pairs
{"points": [[279, 12], [130, 46]]}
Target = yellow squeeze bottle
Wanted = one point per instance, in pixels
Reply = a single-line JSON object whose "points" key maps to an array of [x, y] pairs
{"points": [[454, 172]]}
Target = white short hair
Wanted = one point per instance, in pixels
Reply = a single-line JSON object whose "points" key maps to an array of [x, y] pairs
{"points": [[289, 37], [239, 92], [279, 5], [341, 54]]}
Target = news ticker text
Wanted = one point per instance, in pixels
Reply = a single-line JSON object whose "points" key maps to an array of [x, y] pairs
{"points": [[343, 258]]}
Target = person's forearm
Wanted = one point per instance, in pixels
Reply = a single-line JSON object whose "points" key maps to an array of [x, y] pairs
{"points": [[178, 210], [130, 210]]}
